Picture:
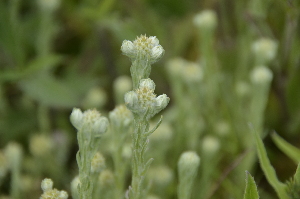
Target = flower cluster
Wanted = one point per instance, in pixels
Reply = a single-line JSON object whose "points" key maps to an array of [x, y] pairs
{"points": [[144, 101], [50, 193], [143, 47], [121, 116], [90, 120]]}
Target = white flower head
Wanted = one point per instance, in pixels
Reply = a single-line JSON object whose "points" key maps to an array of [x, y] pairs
{"points": [[192, 72], [90, 120], [47, 184], [206, 20], [149, 83], [210, 144], [121, 116], [144, 99], [265, 49], [98, 163], [131, 100], [63, 195], [143, 47], [261, 75]]}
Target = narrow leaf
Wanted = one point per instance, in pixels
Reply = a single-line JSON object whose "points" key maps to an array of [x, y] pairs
{"points": [[251, 189], [287, 148], [268, 169]]}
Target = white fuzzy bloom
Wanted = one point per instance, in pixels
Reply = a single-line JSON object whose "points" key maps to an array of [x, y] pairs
{"points": [[98, 163], [162, 101], [74, 187], [131, 100], [206, 20], [91, 120], [148, 83], [47, 184], [157, 52], [76, 118], [40, 145], [128, 48], [210, 144], [63, 195], [144, 99], [143, 48], [100, 126], [121, 116], [96, 97], [261, 75], [192, 72], [265, 49]]}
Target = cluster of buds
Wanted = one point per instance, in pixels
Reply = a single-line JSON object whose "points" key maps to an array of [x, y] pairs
{"points": [[89, 121], [142, 102], [50, 193], [121, 117], [143, 47]]}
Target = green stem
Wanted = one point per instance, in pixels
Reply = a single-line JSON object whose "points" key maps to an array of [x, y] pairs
{"points": [[139, 167]]}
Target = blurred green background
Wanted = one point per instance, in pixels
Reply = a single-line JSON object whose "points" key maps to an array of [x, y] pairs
{"points": [[54, 53]]}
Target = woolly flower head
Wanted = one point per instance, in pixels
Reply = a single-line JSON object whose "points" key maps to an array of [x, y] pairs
{"points": [[50, 193], [90, 119], [206, 20], [265, 49], [121, 116], [143, 47], [261, 75], [144, 100], [98, 163]]}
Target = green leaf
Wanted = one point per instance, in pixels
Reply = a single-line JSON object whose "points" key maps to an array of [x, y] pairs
{"points": [[267, 168], [49, 91], [251, 189], [287, 148]]}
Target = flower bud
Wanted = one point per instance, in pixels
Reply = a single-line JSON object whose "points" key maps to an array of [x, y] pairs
{"points": [[210, 145], [131, 100], [261, 75], [128, 49], [47, 184], [156, 53], [160, 175], [74, 187], [206, 20], [148, 83], [162, 101], [121, 85], [120, 116], [14, 154], [40, 145], [187, 169], [98, 163], [264, 49], [106, 178], [96, 97], [63, 195], [76, 118], [100, 126]]}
